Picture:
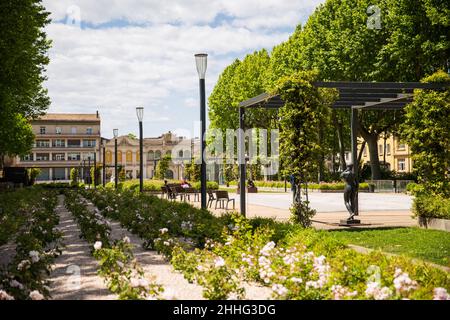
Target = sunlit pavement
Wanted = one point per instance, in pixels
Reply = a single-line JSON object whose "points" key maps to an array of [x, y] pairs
{"points": [[376, 209]]}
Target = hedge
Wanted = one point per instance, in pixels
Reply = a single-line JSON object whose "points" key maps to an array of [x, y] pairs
{"points": [[311, 186], [431, 206], [155, 185]]}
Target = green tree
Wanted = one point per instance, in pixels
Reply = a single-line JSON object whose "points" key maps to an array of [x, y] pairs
{"points": [[162, 167], [193, 171], [300, 119], [427, 132], [74, 175], [23, 52]]}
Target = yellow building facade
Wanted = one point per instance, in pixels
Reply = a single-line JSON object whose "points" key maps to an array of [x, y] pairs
{"points": [[396, 153]]}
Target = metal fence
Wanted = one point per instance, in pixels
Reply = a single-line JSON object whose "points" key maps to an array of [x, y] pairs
{"points": [[396, 186]]}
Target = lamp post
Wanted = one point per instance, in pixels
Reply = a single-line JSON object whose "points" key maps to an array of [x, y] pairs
{"points": [[104, 162], [116, 134], [140, 116], [201, 60]]}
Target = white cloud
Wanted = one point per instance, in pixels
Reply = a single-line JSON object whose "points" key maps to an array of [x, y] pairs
{"points": [[114, 69]]}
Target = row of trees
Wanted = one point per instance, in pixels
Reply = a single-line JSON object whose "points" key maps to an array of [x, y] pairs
{"points": [[339, 43], [23, 52]]}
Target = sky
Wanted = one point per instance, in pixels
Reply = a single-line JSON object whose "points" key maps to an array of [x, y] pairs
{"points": [[115, 55]]}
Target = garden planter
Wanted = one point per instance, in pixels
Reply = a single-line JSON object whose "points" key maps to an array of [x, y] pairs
{"points": [[434, 223]]}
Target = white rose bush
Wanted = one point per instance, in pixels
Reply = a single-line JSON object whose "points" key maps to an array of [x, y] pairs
{"points": [[29, 220], [223, 253]]}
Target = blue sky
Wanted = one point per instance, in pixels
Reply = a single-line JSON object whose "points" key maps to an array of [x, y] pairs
{"points": [[114, 55]]}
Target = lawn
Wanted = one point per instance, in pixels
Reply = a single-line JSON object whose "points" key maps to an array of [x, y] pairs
{"points": [[430, 245]]}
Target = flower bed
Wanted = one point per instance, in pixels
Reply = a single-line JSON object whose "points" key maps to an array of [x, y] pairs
{"points": [[117, 265], [220, 253], [37, 244]]}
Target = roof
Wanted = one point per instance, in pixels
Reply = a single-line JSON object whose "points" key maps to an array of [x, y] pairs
{"points": [[91, 117], [361, 95]]}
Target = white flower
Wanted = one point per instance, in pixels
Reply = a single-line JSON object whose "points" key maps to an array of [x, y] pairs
{"points": [[219, 262], [267, 248], [163, 230], [297, 280], [5, 296], [375, 291], [34, 255], [279, 289], [97, 245], [440, 294], [35, 295], [16, 284], [24, 264], [166, 243], [126, 239], [402, 282]]}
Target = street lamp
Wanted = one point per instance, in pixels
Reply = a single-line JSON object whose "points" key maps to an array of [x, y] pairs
{"points": [[116, 134], [104, 162], [201, 61], [140, 116]]}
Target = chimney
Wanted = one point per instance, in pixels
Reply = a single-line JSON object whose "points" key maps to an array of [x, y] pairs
{"points": [[97, 114]]}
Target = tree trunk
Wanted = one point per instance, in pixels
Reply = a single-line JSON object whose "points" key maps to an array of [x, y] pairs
{"points": [[372, 142], [321, 157], [341, 145]]}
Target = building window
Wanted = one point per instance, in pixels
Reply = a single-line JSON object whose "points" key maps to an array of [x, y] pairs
{"points": [[88, 143], [401, 146], [42, 157], [168, 153], [129, 157], [74, 156], [180, 154], [42, 130], [401, 165], [89, 130], [59, 143], [58, 130], [73, 143], [138, 157], [74, 130], [88, 155], [28, 157], [119, 156], [151, 155], [388, 149], [58, 157], [42, 143], [380, 149], [108, 157], [157, 155]]}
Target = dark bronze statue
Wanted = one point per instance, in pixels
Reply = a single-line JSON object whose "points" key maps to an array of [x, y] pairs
{"points": [[350, 190]]}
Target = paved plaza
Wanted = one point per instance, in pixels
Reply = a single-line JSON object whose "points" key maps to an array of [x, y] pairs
{"points": [[376, 209]]}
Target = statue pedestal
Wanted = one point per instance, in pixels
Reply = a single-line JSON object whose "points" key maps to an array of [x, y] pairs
{"points": [[349, 222]]}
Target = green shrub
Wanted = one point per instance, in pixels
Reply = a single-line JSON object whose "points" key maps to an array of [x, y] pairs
{"points": [[431, 206]]}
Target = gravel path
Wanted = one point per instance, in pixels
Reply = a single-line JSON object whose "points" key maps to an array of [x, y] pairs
{"points": [[174, 283], [74, 275]]}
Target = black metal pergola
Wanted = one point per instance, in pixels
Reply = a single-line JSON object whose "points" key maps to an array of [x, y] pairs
{"points": [[352, 95]]}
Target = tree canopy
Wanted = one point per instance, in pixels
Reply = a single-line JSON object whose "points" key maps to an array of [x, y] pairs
{"points": [[23, 52], [427, 131], [408, 41]]}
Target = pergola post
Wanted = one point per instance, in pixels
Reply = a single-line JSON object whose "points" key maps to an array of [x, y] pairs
{"points": [[241, 159], [354, 136]]}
